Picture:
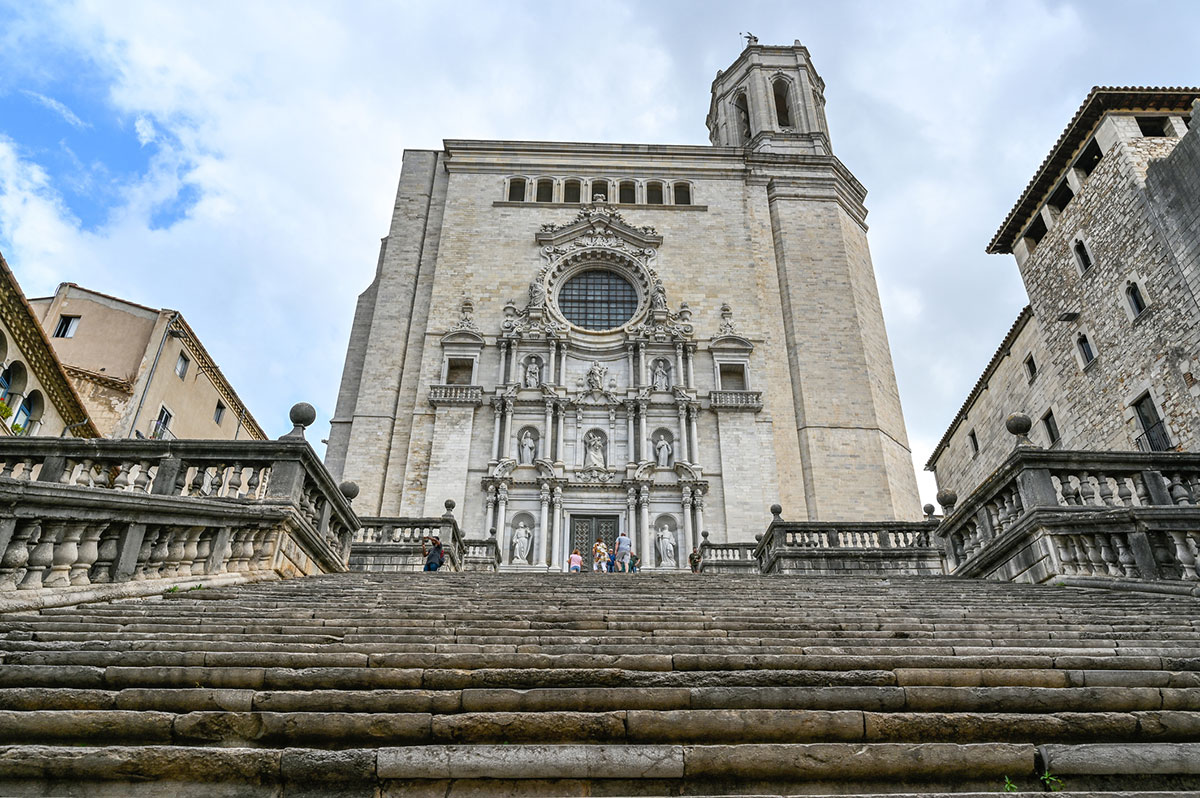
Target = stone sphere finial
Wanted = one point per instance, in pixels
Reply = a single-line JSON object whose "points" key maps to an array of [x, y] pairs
{"points": [[449, 509], [704, 534], [492, 531], [947, 498], [1018, 425], [929, 510], [758, 538], [349, 490], [301, 415], [776, 513]]}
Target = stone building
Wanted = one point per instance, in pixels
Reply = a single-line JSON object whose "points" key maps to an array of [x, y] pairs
{"points": [[36, 396], [141, 372], [1107, 239], [572, 339]]}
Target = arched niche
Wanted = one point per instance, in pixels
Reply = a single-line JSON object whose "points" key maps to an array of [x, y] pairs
{"points": [[529, 445], [666, 541], [662, 444], [522, 538]]}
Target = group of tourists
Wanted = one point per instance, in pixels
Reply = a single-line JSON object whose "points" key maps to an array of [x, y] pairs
{"points": [[620, 559]]}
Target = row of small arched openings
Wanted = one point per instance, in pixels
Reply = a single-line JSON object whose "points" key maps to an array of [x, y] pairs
{"points": [[519, 188], [23, 408], [781, 95]]}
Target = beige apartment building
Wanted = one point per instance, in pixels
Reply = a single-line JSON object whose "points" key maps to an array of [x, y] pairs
{"points": [[36, 397], [141, 371]]}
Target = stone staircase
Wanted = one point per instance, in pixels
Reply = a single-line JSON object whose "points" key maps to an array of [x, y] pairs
{"points": [[604, 685]]}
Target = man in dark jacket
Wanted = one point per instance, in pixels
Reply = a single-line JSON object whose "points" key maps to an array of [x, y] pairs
{"points": [[433, 553]]}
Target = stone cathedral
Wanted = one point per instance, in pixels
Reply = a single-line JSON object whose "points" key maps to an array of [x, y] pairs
{"points": [[572, 340]]}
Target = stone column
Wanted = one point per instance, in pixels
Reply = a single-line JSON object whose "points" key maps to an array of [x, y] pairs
{"points": [[514, 363], [544, 529], [489, 514], [679, 374], [630, 364], [612, 437], [556, 553], [698, 503], [502, 521], [551, 377], [558, 441], [502, 377], [647, 550], [548, 431], [693, 411], [631, 515], [691, 367], [681, 453], [498, 407], [641, 447], [578, 436], [643, 371], [632, 458], [686, 548]]}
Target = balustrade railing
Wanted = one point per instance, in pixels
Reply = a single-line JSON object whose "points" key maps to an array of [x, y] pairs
{"points": [[456, 394], [80, 514], [727, 557], [736, 400], [395, 544], [898, 547], [1048, 514]]}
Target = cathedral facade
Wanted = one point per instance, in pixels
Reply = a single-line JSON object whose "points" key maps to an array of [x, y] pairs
{"points": [[575, 340]]}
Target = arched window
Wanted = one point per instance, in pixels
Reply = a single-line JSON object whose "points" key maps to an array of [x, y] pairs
{"points": [[12, 381], [1085, 349], [29, 417], [1137, 303], [545, 190], [516, 189], [599, 189], [683, 194], [628, 193], [741, 116], [654, 193], [783, 111], [1082, 256], [571, 191]]}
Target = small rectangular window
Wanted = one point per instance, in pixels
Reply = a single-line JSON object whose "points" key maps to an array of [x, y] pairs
{"points": [[571, 191], [459, 371], [1051, 427], [66, 327], [219, 412], [1154, 432], [683, 194], [974, 440], [516, 190], [162, 424], [181, 366], [1061, 197], [545, 191], [1087, 160], [654, 194], [628, 194], [1083, 256], [733, 377], [1036, 231], [1155, 126], [1031, 367]]}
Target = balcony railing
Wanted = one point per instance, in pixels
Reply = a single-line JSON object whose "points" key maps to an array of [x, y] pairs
{"points": [[468, 395], [736, 400], [1154, 439]]}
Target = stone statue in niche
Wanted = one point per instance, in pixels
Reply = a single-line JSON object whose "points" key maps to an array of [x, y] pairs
{"points": [[663, 451], [533, 373], [528, 448], [594, 456], [666, 547], [660, 378], [522, 538], [595, 376]]}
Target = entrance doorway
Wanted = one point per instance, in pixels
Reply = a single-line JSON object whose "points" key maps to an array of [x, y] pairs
{"points": [[584, 531]]}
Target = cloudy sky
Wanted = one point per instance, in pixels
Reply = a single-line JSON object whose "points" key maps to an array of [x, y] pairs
{"points": [[238, 160]]}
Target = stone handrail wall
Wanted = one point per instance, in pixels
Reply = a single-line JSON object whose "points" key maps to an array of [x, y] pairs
{"points": [[86, 519], [831, 547], [394, 544], [482, 555], [1077, 514]]}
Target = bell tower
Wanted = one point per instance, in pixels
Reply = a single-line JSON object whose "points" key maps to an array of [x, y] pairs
{"points": [[770, 99]]}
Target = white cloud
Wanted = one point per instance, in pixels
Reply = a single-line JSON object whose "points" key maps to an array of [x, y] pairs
{"points": [[57, 107], [144, 129]]}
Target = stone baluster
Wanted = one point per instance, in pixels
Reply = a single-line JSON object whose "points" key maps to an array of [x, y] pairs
{"points": [[66, 550], [192, 559], [1063, 549], [1106, 494], [1092, 555], [234, 487], [1183, 554], [1107, 554], [1179, 492], [88, 552], [176, 551], [16, 554], [160, 554], [544, 528], [1125, 558], [1124, 494], [124, 477], [41, 557], [1087, 494], [1070, 492], [106, 553]]}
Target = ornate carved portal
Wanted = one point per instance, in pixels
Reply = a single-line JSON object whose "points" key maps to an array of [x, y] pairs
{"points": [[595, 406]]}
